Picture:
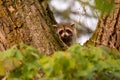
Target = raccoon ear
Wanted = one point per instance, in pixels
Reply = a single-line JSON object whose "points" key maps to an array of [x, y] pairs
{"points": [[72, 24]]}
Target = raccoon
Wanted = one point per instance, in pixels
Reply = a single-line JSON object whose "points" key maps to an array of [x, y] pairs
{"points": [[66, 32]]}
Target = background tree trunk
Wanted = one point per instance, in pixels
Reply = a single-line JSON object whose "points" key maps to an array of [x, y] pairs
{"points": [[108, 29], [28, 21]]}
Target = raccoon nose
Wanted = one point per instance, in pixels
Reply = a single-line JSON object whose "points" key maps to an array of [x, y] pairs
{"points": [[65, 35]]}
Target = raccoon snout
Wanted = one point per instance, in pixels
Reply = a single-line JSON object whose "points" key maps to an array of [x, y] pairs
{"points": [[65, 35]]}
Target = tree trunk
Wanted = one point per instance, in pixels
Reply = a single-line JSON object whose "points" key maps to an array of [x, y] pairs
{"points": [[108, 29], [30, 22]]}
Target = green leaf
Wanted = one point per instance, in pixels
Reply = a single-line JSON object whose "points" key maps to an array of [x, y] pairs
{"points": [[2, 69]]}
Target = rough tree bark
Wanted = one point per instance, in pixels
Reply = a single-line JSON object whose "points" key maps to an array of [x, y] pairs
{"points": [[108, 29], [27, 21]]}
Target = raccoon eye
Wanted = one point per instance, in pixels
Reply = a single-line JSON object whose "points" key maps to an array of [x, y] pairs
{"points": [[61, 32], [68, 31]]}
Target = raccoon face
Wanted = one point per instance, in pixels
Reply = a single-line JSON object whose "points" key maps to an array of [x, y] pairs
{"points": [[65, 31]]}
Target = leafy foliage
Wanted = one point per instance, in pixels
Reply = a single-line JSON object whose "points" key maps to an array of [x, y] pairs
{"points": [[77, 63], [85, 63], [104, 5], [19, 63]]}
